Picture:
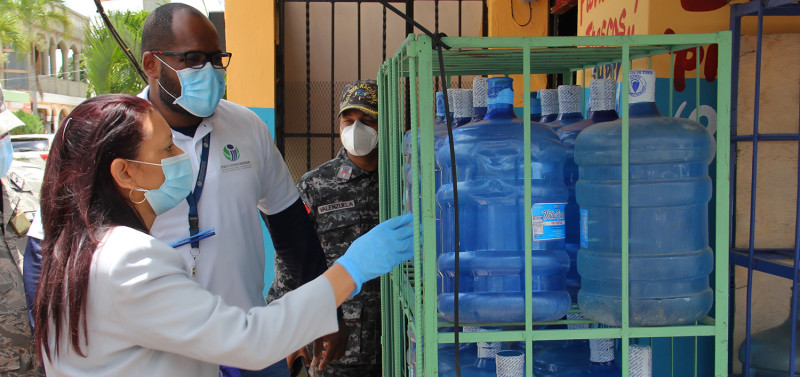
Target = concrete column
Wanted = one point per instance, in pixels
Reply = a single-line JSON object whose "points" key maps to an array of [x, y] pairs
{"points": [[64, 63], [76, 65], [53, 68]]}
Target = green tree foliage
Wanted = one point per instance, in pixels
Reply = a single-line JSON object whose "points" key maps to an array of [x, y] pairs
{"points": [[11, 32], [33, 125], [104, 62]]}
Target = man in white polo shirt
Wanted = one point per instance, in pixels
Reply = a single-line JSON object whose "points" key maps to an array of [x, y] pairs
{"points": [[238, 169]]}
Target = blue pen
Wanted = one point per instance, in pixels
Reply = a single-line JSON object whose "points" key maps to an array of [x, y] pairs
{"points": [[197, 237]]}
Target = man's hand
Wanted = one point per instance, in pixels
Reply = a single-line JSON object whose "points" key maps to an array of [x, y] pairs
{"points": [[302, 352], [330, 347]]}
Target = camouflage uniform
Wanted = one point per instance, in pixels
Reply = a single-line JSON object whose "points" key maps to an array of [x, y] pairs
{"points": [[20, 189], [342, 200]]}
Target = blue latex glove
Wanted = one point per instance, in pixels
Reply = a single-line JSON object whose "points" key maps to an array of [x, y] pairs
{"points": [[380, 250]]}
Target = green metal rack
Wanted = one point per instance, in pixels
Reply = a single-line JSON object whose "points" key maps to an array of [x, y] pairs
{"points": [[406, 96]]}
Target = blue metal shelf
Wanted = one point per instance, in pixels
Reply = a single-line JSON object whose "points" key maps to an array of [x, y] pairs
{"points": [[780, 262]]}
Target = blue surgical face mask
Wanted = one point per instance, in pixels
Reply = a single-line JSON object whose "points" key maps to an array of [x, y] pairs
{"points": [[6, 155], [201, 89], [177, 183]]}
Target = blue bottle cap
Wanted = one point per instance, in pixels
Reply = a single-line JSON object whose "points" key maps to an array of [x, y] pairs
{"points": [[499, 91]]}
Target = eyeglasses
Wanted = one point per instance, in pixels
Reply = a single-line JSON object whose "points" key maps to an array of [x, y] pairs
{"points": [[198, 59]]}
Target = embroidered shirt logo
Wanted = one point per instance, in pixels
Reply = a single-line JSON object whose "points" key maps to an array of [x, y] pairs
{"points": [[335, 206], [230, 152], [233, 155]]}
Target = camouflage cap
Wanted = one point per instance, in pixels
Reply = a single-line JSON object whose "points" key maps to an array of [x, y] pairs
{"points": [[8, 120], [361, 95]]}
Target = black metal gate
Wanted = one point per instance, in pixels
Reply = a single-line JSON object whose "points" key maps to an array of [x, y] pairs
{"points": [[325, 44]]}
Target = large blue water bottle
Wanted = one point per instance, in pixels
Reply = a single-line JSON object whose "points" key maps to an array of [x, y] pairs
{"points": [[770, 351], [467, 355], [492, 209], [601, 109], [479, 98], [670, 260], [569, 106], [439, 133], [536, 107], [484, 365], [601, 361], [560, 357], [549, 99]]}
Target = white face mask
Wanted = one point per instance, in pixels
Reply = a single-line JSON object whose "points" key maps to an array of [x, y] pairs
{"points": [[359, 139]]}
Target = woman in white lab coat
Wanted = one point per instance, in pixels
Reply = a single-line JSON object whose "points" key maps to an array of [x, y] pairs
{"points": [[115, 301]]}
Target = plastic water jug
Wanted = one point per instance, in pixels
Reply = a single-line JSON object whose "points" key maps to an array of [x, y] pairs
{"points": [[601, 361], [491, 207], [484, 365], [467, 355], [439, 133], [569, 106], [560, 357], [670, 260], [479, 98], [536, 107], [549, 99], [770, 351], [601, 109]]}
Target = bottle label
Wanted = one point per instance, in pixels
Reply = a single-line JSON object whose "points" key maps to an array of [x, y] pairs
{"points": [[548, 221], [641, 87], [584, 229]]}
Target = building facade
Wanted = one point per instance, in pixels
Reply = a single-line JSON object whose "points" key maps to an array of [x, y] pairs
{"points": [[53, 74]]}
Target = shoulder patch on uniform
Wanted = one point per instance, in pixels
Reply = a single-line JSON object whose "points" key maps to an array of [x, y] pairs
{"points": [[335, 206], [345, 172]]}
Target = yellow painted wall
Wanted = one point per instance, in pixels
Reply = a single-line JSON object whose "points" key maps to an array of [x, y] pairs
{"points": [[612, 17], [250, 36], [653, 17], [501, 24]]}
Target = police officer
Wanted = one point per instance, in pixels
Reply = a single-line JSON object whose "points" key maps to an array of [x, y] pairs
{"points": [[341, 196], [20, 185]]}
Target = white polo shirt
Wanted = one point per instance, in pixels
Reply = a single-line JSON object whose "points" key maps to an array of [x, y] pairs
{"points": [[251, 176]]}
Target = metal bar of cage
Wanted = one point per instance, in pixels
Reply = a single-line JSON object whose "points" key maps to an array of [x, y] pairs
{"points": [[421, 314], [526, 121]]}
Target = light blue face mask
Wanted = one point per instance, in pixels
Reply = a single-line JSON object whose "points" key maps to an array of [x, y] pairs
{"points": [[201, 89], [6, 155], [177, 183]]}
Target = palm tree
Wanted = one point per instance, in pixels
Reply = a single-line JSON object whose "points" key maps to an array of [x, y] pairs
{"points": [[10, 31], [30, 16], [106, 67]]}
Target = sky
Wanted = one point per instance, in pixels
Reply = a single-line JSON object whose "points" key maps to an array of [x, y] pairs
{"points": [[87, 7]]}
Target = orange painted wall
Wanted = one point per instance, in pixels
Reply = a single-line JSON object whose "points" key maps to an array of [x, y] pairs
{"points": [[501, 24], [250, 36]]}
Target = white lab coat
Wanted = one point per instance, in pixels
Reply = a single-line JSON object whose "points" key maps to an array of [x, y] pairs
{"points": [[147, 317]]}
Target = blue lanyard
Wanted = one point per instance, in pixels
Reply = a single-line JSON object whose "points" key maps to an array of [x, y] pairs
{"points": [[194, 197]]}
